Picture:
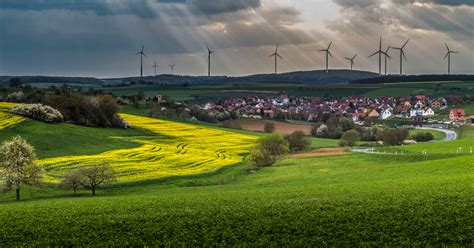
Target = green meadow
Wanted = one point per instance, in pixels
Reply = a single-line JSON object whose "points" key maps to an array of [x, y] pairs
{"points": [[345, 200]]}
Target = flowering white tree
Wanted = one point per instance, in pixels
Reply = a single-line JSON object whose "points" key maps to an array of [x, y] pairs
{"points": [[17, 166]]}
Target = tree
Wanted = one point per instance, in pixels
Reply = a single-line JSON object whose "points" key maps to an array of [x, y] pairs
{"points": [[297, 141], [346, 123], [15, 82], [268, 149], [394, 136], [349, 138], [269, 127], [96, 175], [73, 180], [18, 165]]}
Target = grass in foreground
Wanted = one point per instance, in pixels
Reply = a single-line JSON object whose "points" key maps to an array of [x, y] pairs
{"points": [[346, 200]]}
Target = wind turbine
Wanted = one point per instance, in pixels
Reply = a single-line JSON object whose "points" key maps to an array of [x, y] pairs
{"points": [[352, 60], [142, 53], [380, 53], [156, 67], [172, 68], [209, 52], [402, 54], [387, 56], [327, 56], [448, 55], [276, 55]]}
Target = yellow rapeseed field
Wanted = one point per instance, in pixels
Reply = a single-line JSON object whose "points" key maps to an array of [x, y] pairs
{"points": [[7, 119], [177, 149]]}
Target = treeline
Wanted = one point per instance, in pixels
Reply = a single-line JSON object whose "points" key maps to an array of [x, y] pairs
{"points": [[95, 109], [49, 79], [413, 78]]}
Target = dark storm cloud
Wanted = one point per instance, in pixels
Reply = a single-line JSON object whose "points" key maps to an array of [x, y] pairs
{"points": [[134, 7]]}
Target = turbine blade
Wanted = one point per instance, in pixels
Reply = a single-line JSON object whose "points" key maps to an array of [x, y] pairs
{"points": [[446, 44], [454, 52], [405, 57], [405, 43], [322, 50], [374, 54], [330, 54], [279, 56], [330, 45], [354, 56], [445, 56]]}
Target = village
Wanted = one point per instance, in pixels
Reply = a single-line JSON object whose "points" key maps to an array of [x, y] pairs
{"points": [[418, 108]]}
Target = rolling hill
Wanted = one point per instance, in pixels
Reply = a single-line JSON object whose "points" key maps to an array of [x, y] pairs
{"points": [[310, 77]]}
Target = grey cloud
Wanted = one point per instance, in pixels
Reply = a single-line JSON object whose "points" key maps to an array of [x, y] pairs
{"points": [[222, 6]]}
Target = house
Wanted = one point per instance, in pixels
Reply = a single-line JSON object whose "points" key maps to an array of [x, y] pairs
{"points": [[374, 114], [385, 114], [438, 103], [428, 112], [416, 113], [457, 115]]}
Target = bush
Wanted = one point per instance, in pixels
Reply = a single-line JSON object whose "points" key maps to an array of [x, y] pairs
{"points": [[268, 149], [18, 96], [297, 141], [269, 127], [394, 136], [423, 137], [39, 112], [314, 129], [349, 138]]}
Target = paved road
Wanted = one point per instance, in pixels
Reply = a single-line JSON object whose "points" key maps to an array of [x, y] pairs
{"points": [[450, 136]]}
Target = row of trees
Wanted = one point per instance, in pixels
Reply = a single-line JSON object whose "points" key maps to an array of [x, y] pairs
{"points": [[18, 168]]}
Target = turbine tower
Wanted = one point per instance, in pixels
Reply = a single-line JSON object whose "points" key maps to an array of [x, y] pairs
{"points": [[172, 68], [380, 53], [352, 60], [402, 54], [141, 53], [448, 55], [387, 56], [328, 53], [209, 52], [155, 66], [276, 55]]}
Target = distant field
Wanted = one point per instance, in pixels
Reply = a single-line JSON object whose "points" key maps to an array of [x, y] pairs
{"points": [[281, 127], [204, 93]]}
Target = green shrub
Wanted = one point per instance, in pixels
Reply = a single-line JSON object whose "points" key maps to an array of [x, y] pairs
{"points": [[297, 141], [349, 138], [268, 149], [423, 137]]}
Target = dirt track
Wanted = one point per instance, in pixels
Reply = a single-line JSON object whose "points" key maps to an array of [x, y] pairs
{"points": [[281, 127], [324, 152]]}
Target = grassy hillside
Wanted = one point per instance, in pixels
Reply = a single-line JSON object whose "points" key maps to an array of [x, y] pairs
{"points": [[346, 200]]}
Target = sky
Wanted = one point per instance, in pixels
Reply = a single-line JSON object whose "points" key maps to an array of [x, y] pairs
{"points": [[101, 38]]}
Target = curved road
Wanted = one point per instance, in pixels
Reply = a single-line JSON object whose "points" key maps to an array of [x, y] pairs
{"points": [[450, 136]]}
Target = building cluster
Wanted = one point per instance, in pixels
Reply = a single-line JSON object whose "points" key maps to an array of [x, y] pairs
{"points": [[283, 106]]}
